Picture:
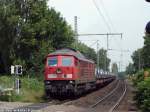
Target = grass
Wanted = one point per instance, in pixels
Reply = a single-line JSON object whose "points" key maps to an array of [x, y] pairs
{"points": [[32, 90]]}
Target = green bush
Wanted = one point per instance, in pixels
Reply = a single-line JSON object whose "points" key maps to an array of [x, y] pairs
{"points": [[4, 98], [6, 81], [32, 89], [143, 95], [139, 76]]}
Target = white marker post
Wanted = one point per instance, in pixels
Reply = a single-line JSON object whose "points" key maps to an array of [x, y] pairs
{"points": [[17, 86], [12, 69], [16, 71], [13, 75]]}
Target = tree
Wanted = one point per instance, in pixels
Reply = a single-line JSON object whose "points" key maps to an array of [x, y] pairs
{"points": [[137, 58], [115, 68], [130, 69], [85, 50], [104, 61], [146, 51], [29, 27]]}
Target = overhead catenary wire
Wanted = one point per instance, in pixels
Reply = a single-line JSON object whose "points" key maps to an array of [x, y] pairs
{"points": [[109, 19], [107, 15], [101, 14], [93, 43], [110, 25], [106, 21]]}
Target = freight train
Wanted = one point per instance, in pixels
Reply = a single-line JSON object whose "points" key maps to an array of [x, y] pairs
{"points": [[67, 71]]}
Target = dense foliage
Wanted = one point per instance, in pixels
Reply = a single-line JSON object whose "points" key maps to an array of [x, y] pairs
{"points": [[28, 91], [87, 51], [130, 69], [146, 51], [104, 61], [141, 56], [137, 58], [143, 91], [143, 95], [28, 31], [140, 66]]}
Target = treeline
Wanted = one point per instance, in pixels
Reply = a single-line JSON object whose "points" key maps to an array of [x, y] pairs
{"points": [[29, 30], [142, 83], [140, 71], [141, 56]]}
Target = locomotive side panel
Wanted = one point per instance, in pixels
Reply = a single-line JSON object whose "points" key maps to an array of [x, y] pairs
{"points": [[86, 72]]}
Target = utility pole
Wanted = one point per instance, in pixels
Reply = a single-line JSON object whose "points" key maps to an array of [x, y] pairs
{"points": [[97, 56], [121, 56], [107, 52], [119, 66], [104, 34], [76, 28], [94, 34]]}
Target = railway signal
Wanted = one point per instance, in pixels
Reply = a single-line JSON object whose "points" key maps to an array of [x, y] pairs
{"points": [[12, 69], [147, 29], [16, 70], [19, 83], [147, 0]]}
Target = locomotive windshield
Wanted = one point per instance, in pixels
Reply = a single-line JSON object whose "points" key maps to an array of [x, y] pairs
{"points": [[52, 61], [67, 61]]}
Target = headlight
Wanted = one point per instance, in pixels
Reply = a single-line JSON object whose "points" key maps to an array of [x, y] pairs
{"points": [[52, 75], [67, 76], [58, 70], [47, 82]]}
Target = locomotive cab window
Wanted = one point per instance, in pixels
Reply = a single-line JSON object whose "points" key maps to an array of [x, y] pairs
{"points": [[52, 61], [67, 61]]}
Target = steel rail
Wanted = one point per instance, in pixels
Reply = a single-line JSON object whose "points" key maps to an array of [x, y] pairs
{"points": [[106, 96], [120, 99]]}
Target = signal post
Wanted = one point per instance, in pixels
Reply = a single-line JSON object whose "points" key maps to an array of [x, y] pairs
{"points": [[16, 70]]}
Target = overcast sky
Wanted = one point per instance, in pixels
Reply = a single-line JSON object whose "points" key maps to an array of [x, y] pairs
{"points": [[123, 16]]}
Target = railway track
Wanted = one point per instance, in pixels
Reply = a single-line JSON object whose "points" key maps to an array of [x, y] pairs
{"points": [[110, 102]]}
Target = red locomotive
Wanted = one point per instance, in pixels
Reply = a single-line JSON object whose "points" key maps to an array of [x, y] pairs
{"points": [[67, 71]]}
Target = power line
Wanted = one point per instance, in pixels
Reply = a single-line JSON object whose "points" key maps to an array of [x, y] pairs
{"points": [[108, 18], [117, 50], [94, 43], [90, 34], [88, 40], [100, 13], [106, 34], [107, 15]]}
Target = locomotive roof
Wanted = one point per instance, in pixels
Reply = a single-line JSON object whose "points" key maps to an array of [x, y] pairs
{"points": [[70, 51]]}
